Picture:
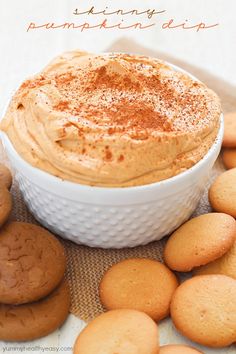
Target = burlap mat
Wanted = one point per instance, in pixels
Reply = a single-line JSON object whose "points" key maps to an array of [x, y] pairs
{"points": [[85, 265]]}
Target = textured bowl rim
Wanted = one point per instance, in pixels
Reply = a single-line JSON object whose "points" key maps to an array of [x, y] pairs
{"points": [[166, 183]]}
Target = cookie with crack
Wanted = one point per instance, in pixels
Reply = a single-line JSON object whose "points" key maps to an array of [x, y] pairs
{"points": [[37, 319], [32, 263]]}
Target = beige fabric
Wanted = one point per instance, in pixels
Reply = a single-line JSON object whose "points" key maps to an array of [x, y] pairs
{"points": [[86, 265]]}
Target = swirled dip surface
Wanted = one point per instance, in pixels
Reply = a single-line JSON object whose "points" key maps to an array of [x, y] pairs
{"points": [[112, 119]]}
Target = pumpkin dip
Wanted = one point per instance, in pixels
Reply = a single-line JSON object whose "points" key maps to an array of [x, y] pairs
{"points": [[112, 120]]}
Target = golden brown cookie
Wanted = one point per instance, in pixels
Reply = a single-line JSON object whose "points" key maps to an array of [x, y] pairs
{"points": [[225, 265], [32, 263], [229, 158], [121, 332], [5, 204], [203, 309], [229, 139], [5, 176], [178, 349], [37, 319], [140, 284], [222, 194], [199, 241]]}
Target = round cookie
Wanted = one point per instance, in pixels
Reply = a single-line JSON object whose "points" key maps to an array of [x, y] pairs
{"points": [[5, 204], [199, 241], [178, 349], [32, 263], [37, 319], [229, 158], [5, 176], [119, 331], [203, 309], [229, 139], [222, 194], [225, 265], [140, 284]]}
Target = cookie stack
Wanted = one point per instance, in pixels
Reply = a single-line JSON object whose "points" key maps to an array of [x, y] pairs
{"points": [[34, 297]]}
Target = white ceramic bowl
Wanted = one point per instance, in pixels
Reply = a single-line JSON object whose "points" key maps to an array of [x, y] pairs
{"points": [[112, 217]]}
